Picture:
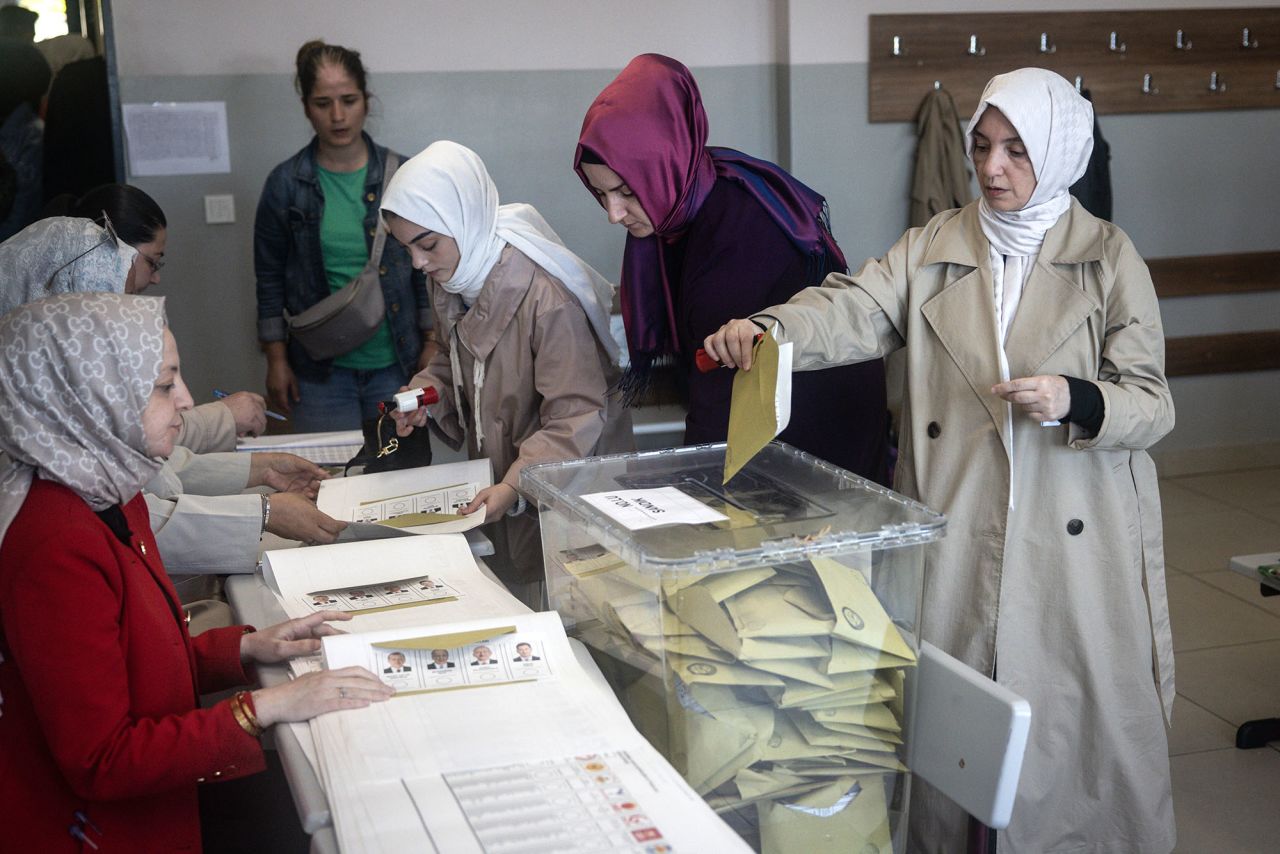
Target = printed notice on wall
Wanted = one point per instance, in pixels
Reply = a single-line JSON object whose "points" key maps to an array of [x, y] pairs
{"points": [[187, 138], [649, 508]]}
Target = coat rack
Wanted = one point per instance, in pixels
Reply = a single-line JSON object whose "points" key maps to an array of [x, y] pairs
{"points": [[1160, 60]]}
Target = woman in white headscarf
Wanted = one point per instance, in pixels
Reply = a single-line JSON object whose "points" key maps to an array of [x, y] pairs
{"points": [[526, 363], [103, 739], [1035, 384]]}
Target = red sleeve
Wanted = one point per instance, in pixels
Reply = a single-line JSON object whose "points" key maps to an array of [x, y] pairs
{"points": [[107, 669], [218, 665]]}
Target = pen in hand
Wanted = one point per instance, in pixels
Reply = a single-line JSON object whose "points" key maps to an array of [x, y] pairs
{"points": [[219, 393]]}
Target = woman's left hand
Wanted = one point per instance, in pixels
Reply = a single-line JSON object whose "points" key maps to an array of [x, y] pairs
{"points": [[285, 473], [496, 501], [284, 641], [1044, 398]]}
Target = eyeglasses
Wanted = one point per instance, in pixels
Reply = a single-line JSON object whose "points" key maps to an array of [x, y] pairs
{"points": [[108, 236], [157, 264]]}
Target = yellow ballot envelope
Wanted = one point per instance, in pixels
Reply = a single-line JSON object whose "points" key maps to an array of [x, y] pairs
{"points": [[761, 404], [849, 814]]}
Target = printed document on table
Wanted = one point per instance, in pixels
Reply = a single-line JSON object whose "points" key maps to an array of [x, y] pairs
{"points": [[505, 766], [390, 580], [320, 448], [439, 491]]}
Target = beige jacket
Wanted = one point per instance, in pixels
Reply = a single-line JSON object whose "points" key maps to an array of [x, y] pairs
{"points": [[523, 379], [1052, 569], [208, 428]]}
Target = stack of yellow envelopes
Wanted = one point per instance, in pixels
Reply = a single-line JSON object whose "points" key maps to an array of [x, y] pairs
{"points": [[776, 691]]}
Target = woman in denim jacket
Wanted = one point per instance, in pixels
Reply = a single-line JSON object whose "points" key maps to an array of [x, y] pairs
{"points": [[313, 234]]}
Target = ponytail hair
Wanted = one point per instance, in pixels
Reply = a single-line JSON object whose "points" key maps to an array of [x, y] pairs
{"points": [[315, 53], [134, 215]]}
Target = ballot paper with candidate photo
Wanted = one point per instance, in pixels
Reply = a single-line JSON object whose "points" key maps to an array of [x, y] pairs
{"points": [[638, 509]]}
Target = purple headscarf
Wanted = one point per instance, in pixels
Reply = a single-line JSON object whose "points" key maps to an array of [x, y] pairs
{"points": [[649, 126]]}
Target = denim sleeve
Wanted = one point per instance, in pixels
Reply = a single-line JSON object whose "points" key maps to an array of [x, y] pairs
{"points": [[270, 255]]}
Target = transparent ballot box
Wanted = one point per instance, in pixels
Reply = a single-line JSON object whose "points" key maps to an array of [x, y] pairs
{"points": [[761, 634]]}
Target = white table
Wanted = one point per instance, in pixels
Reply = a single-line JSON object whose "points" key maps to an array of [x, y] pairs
{"points": [[255, 604], [1257, 733]]}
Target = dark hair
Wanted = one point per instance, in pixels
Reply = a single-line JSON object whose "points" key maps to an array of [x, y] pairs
{"points": [[315, 53], [134, 215], [17, 22], [24, 75]]}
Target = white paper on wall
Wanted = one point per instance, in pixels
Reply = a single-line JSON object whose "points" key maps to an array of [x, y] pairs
{"points": [[188, 138]]}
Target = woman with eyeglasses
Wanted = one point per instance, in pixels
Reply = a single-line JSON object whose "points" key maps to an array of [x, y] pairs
{"points": [[138, 221], [202, 521]]}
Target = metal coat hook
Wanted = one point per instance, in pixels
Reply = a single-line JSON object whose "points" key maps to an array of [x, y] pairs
{"points": [[1115, 45], [1148, 87], [1216, 84], [898, 49], [1079, 84], [1246, 41], [976, 49], [1181, 42], [937, 85], [1046, 45]]}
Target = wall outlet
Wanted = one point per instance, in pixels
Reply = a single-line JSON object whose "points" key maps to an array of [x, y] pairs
{"points": [[219, 209]]}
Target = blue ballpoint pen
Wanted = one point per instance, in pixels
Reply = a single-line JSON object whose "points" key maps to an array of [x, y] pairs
{"points": [[219, 393]]}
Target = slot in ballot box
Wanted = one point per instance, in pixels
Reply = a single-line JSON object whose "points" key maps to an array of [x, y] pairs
{"points": [[763, 634]]}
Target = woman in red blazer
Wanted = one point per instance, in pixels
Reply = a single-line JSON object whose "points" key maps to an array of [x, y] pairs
{"points": [[102, 741]]}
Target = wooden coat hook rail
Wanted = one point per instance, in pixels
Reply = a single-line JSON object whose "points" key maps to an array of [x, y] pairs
{"points": [[1159, 60]]}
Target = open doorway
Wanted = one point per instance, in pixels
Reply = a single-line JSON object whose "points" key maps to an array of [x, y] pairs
{"points": [[77, 146]]}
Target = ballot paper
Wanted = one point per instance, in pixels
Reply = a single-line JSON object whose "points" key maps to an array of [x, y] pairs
{"points": [[428, 497], [530, 766], [435, 659], [326, 449], [406, 574], [760, 406]]}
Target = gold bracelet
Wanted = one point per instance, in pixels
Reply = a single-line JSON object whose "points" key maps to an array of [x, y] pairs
{"points": [[243, 711]]}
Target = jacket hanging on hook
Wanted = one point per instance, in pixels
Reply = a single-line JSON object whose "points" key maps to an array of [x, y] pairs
{"points": [[941, 179]]}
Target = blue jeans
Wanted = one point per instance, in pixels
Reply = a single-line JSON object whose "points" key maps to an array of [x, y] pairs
{"points": [[345, 399]]}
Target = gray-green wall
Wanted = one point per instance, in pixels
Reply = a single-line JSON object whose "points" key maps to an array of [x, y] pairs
{"points": [[1185, 183]]}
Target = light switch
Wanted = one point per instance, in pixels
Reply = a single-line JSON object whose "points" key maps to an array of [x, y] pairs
{"points": [[219, 209]]}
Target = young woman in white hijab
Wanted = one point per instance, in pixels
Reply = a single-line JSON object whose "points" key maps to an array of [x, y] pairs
{"points": [[526, 362], [1035, 384]]}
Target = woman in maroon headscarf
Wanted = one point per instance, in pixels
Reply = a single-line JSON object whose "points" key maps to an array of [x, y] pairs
{"points": [[714, 234]]}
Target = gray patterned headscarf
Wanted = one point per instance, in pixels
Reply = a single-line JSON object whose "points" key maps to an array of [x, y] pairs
{"points": [[61, 255], [76, 372]]}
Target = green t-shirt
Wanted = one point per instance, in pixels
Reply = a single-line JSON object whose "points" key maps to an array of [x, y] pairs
{"points": [[345, 253]]}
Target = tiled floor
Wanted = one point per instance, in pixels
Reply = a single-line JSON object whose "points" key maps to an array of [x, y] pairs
{"points": [[1226, 641]]}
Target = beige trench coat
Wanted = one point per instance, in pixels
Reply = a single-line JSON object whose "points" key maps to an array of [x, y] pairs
{"points": [[1052, 569], [543, 382]]}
